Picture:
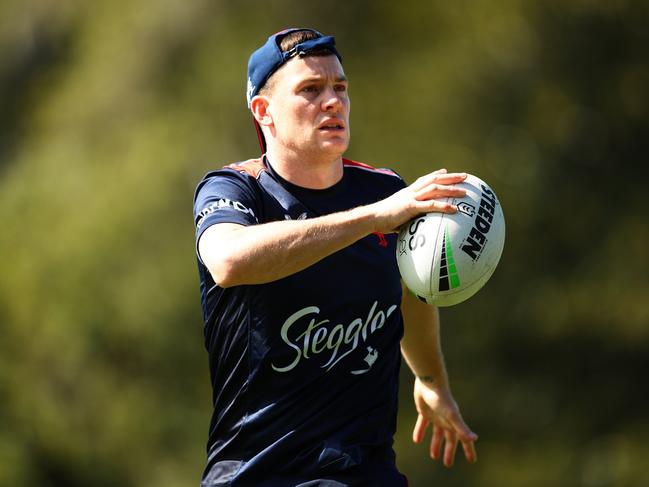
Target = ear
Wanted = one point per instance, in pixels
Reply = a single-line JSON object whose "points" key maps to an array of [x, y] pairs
{"points": [[259, 107]]}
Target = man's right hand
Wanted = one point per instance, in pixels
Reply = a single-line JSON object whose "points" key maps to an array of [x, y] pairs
{"points": [[422, 196]]}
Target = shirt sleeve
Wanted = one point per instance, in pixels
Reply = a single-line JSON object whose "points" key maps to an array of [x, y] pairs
{"points": [[224, 196]]}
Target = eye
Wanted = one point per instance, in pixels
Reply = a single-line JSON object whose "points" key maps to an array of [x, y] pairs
{"points": [[340, 87], [310, 89]]}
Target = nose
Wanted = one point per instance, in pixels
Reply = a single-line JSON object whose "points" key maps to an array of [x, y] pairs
{"points": [[331, 101]]}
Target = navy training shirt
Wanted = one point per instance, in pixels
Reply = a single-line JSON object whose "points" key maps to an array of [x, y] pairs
{"points": [[304, 369]]}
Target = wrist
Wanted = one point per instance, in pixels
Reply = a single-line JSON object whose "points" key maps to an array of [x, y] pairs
{"points": [[432, 382], [364, 217]]}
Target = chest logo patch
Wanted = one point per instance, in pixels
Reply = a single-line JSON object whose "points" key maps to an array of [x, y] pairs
{"points": [[301, 216], [309, 335]]}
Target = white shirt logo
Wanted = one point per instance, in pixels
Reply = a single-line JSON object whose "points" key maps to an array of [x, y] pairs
{"points": [[301, 216], [370, 358], [223, 203], [313, 338]]}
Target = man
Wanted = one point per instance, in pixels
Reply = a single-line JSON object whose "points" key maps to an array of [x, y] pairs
{"points": [[301, 293]]}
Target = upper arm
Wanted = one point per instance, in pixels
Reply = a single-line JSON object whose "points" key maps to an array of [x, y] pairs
{"points": [[408, 300], [225, 197], [213, 246], [416, 313]]}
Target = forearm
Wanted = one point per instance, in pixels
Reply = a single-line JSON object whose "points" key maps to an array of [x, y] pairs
{"points": [[263, 253], [257, 254], [421, 346]]}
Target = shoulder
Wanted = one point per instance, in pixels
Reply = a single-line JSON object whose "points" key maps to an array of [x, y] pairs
{"points": [[361, 166], [381, 176], [242, 174], [252, 167]]}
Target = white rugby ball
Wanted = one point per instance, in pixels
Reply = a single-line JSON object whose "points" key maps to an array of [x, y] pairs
{"points": [[446, 258]]}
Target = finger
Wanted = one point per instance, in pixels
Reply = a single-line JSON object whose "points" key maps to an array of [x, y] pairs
{"points": [[449, 177], [436, 206], [420, 429], [433, 191], [440, 178], [450, 446], [440, 171], [436, 442], [469, 451]]}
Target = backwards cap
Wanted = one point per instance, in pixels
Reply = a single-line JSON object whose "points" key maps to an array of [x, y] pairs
{"points": [[269, 58]]}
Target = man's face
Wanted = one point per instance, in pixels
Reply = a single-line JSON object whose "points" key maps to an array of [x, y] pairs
{"points": [[309, 105]]}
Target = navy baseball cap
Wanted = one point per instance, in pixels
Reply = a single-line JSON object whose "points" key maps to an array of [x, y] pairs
{"points": [[269, 58]]}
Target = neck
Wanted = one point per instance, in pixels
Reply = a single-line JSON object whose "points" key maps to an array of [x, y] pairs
{"points": [[313, 171]]}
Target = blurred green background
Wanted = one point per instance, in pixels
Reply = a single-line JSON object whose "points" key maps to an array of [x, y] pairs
{"points": [[111, 111]]}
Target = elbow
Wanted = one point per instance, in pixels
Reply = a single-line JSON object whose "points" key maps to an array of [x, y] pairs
{"points": [[222, 255], [226, 272], [223, 273]]}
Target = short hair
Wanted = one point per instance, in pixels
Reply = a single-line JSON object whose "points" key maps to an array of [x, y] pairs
{"points": [[288, 42], [292, 39]]}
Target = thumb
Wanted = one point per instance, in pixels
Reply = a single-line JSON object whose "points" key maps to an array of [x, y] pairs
{"points": [[462, 430]]}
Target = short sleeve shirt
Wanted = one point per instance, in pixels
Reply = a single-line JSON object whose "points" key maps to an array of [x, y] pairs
{"points": [[304, 369]]}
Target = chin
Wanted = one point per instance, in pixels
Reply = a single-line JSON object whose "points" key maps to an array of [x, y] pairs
{"points": [[339, 146]]}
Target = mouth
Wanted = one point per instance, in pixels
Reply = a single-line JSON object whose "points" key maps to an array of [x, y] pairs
{"points": [[331, 126]]}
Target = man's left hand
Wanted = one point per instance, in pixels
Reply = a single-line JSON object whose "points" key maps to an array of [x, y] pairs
{"points": [[436, 406]]}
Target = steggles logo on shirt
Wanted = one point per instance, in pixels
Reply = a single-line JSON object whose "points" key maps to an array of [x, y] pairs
{"points": [[338, 342]]}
